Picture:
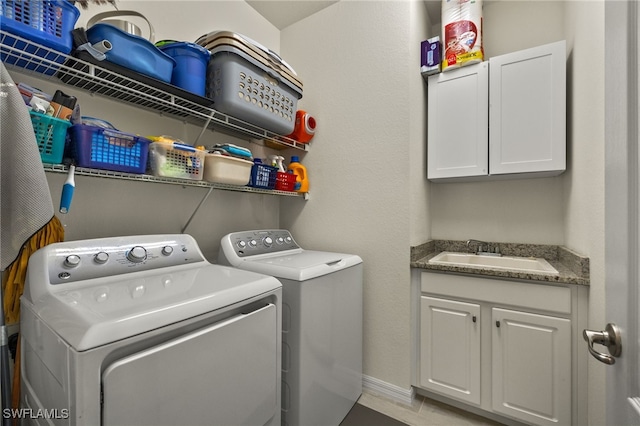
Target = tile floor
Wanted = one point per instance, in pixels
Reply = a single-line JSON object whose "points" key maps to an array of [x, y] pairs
{"points": [[423, 412]]}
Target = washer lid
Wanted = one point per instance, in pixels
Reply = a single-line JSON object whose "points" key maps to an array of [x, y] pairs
{"points": [[96, 312], [299, 265]]}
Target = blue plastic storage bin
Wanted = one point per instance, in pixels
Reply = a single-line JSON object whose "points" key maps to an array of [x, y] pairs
{"points": [[190, 72], [46, 22], [133, 52], [107, 149]]}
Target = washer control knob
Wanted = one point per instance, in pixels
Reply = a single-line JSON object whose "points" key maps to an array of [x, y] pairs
{"points": [[253, 243], [267, 241], [279, 240], [72, 261], [137, 254], [288, 240], [101, 257], [167, 250], [241, 244]]}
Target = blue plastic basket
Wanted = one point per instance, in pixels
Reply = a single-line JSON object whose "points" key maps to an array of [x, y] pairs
{"points": [[50, 135], [263, 176], [45, 22], [105, 149]]}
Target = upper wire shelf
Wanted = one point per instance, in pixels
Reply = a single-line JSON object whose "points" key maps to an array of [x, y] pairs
{"points": [[44, 63]]}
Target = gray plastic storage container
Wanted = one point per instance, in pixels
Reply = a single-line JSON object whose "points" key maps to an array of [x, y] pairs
{"points": [[250, 82]]}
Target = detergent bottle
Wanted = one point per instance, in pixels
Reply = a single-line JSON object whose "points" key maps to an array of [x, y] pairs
{"points": [[302, 181]]}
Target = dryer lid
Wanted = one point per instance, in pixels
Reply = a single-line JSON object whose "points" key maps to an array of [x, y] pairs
{"points": [[300, 265], [96, 312]]}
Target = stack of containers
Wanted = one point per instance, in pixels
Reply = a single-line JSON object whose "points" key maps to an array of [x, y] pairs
{"points": [[250, 82], [45, 22]]}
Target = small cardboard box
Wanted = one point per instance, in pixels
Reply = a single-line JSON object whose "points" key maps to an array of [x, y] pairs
{"points": [[431, 56]]}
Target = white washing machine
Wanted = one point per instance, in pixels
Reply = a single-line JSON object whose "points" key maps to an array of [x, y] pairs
{"points": [[142, 330], [322, 322]]}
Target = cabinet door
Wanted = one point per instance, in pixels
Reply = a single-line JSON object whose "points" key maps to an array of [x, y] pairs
{"points": [[458, 119], [450, 348], [527, 118], [531, 367]]}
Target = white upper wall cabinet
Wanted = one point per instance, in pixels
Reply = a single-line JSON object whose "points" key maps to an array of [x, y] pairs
{"points": [[527, 104], [458, 121], [505, 117]]}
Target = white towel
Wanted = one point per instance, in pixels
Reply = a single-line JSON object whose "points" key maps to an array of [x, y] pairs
{"points": [[25, 200]]}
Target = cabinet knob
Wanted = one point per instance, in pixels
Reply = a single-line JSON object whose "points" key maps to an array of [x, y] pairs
{"points": [[474, 319], [498, 324]]}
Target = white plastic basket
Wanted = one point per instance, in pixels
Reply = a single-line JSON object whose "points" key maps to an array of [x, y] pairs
{"points": [[176, 160], [224, 169]]}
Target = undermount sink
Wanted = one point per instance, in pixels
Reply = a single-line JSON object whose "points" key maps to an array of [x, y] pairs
{"points": [[519, 264]]}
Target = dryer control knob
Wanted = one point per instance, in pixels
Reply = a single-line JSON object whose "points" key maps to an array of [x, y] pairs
{"points": [[137, 254], [101, 257], [267, 241], [72, 261], [253, 243], [167, 250]]}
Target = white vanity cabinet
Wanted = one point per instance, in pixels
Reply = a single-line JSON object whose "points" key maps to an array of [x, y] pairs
{"points": [[503, 117], [450, 348], [531, 366], [505, 348]]}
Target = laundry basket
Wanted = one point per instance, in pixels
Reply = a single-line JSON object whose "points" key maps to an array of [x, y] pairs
{"points": [[250, 82]]}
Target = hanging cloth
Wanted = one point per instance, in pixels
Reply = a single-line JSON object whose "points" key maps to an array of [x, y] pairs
{"points": [[27, 221], [26, 209]]}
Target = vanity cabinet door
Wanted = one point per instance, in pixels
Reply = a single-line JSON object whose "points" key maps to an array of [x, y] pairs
{"points": [[450, 348], [527, 115], [531, 367], [458, 120]]}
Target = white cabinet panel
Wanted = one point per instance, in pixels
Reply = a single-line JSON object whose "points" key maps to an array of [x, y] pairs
{"points": [[527, 124], [450, 348], [531, 371], [457, 124]]}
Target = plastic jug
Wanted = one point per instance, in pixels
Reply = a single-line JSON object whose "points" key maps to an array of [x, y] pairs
{"points": [[302, 181]]}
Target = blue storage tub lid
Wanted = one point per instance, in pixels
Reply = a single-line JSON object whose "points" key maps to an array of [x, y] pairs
{"points": [[133, 52]]}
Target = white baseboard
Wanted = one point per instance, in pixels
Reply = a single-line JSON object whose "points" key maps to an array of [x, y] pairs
{"points": [[396, 393]]}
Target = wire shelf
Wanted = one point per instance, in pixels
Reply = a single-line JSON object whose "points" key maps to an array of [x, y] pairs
{"points": [[82, 171], [45, 63]]}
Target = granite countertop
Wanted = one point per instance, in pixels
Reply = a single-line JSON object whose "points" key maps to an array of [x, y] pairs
{"points": [[572, 267]]}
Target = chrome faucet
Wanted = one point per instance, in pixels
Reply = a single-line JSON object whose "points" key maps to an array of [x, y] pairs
{"points": [[484, 248]]}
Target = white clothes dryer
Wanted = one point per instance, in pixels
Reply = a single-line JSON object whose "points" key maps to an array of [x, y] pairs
{"points": [[322, 322], [142, 330]]}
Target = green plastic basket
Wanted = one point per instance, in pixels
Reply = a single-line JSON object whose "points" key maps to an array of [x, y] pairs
{"points": [[50, 135]]}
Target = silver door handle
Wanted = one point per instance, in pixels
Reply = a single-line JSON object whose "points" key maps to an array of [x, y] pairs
{"points": [[610, 338]]}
